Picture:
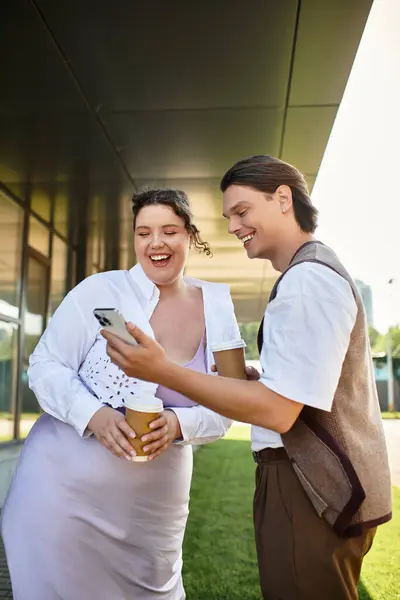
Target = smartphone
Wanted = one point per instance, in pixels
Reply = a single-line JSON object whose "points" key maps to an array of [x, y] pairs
{"points": [[111, 320]]}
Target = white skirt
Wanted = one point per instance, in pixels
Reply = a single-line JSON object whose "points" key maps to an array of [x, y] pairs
{"points": [[81, 524]]}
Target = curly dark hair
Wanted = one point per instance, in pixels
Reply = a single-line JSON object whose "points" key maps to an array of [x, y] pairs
{"points": [[179, 202]]}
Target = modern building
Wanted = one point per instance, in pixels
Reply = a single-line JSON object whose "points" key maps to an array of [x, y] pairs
{"points": [[366, 295], [99, 98]]}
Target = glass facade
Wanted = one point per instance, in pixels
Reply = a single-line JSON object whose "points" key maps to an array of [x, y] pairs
{"points": [[38, 265], [8, 367], [48, 242], [58, 274], [126, 250], [39, 236], [11, 230]]}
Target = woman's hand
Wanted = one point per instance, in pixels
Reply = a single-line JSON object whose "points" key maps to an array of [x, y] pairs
{"points": [[166, 429], [111, 429]]}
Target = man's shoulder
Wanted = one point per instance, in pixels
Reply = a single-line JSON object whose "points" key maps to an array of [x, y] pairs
{"points": [[316, 280]]}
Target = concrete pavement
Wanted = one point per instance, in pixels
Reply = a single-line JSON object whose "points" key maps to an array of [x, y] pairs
{"points": [[392, 434]]}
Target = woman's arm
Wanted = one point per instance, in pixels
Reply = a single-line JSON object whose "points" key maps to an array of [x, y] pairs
{"points": [[54, 366], [200, 425], [55, 362]]}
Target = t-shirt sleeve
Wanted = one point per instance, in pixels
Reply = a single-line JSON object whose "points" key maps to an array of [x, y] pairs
{"points": [[307, 330]]}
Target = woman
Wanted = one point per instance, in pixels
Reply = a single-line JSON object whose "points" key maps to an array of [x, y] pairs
{"points": [[78, 522]]}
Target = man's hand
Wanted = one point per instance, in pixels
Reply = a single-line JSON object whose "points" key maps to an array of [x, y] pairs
{"points": [[166, 429], [146, 361], [111, 429], [252, 374]]}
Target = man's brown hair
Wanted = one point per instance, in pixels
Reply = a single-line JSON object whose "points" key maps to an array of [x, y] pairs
{"points": [[265, 174]]}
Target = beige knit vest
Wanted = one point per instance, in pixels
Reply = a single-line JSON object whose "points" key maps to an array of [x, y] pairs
{"points": [[340, 456]]}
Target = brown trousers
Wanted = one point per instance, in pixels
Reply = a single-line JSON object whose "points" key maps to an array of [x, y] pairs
{"points": [[300, 557]]}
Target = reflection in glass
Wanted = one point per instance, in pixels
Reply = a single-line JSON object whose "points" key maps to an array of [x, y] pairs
{"points": [[39, 236], [126, 250], [36, 304], [11, 228], [102, 249], [31, 410], [61, 214], [41, 203], [74, 217], [93, 247], [58, 281], [73, 269], [34, 325], [8, 358]]}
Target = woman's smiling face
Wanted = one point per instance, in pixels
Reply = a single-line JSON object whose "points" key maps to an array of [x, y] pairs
{"points": [[162, 243]]}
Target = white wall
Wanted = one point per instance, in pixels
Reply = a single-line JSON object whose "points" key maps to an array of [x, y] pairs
{"points": [[358, 186]]}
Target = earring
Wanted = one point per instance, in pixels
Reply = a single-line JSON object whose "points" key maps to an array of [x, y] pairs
{"points": [[283, 211]]}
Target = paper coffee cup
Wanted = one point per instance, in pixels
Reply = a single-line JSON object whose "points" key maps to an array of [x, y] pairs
{"points": [[228, 345], [141, 410], [229, 358]]}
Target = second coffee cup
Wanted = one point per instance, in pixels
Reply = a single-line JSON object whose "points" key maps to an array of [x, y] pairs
{"points": [[229, 359], [140, 412]]}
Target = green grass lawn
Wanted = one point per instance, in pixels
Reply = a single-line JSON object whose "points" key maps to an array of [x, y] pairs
{"points": [[219, 552], [7, 416], [390, 415]]}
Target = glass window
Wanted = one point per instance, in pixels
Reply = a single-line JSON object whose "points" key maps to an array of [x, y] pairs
{"points": [[31, 410], [34, 321], [74, 217], [102, 249], [41, 203], [61, 214], [94, 244], [94, 231], [126, 250], [39, 236], [36, 304], [58, 280], [11, 229], [8, 363], [73, 267]]}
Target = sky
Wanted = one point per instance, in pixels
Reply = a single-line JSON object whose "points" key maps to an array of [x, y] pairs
{"points": [[357, 190]]}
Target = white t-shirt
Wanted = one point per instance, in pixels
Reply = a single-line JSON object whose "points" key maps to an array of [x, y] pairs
{"points": [[307, 331]]}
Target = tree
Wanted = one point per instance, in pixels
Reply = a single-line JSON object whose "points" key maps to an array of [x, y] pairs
{"points": [[395, 335], [374, 336], [379, 343], [249, 334]]}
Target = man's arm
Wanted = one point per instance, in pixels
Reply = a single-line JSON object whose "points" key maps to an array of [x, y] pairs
{"points": [[306, 336], [247, 401]]}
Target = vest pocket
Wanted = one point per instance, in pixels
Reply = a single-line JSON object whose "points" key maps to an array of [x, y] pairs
{"points": [[318, 503]]}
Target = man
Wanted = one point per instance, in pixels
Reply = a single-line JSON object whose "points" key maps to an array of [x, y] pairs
{"points": [[323, 482]]}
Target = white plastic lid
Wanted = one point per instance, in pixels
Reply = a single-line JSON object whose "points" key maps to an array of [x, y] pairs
{"points": [[228, 345], [143, 403]]}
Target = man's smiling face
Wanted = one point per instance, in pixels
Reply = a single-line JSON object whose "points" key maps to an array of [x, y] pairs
{"points": [[257, 219]]}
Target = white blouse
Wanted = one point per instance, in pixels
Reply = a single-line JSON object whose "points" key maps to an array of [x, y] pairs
{"points": [[73, 377]]}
